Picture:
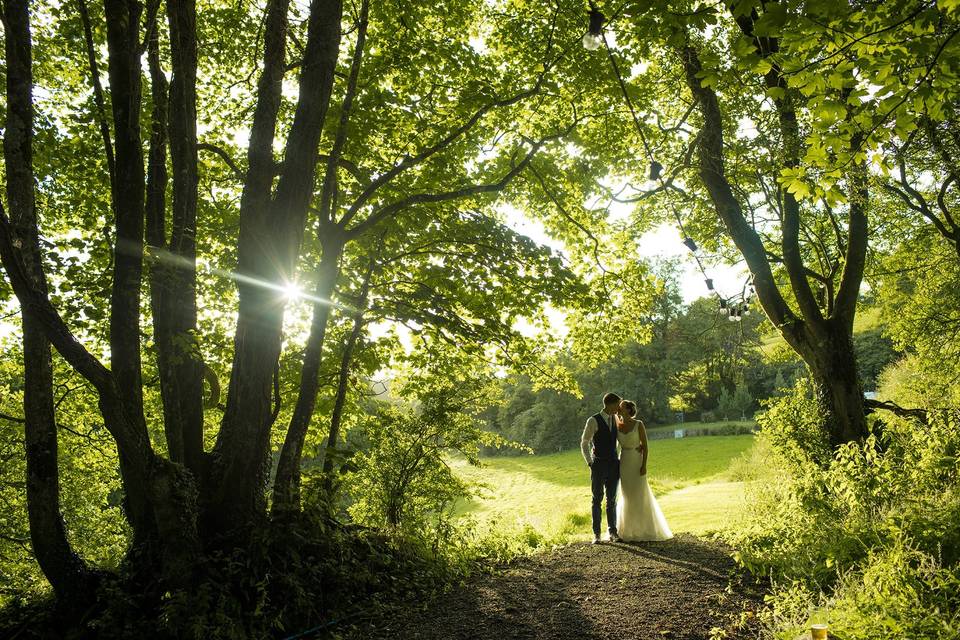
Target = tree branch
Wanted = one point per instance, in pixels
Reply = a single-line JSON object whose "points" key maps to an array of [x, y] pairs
{"points": [[55, 329], [238, 173], [411, 161], [712, 172], [220, 151], [766, 46], [9, 418], [97, 91], [942, 204], [427, 198], [893, 407], [856, 255], [153, 7], [810, 273], [336, 151]]}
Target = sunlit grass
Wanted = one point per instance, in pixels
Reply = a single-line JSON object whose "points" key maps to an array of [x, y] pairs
{"points": [[692, 478]]}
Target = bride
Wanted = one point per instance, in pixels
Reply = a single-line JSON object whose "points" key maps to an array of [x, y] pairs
{"points": [[638, 514]]}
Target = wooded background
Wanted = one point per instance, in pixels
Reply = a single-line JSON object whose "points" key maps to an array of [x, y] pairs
{"points": [[225, 223]]}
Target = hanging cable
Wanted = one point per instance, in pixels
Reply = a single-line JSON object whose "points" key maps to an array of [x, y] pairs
{"points": [[591, 41]]}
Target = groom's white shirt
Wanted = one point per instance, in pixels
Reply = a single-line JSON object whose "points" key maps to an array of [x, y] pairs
{"points": [[589, 430]]}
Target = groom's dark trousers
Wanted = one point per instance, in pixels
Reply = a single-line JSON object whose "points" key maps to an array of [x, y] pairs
{"points": [[604, 476]]}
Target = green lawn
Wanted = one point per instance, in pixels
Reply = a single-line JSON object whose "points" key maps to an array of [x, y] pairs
{"points": [[691, 477]]}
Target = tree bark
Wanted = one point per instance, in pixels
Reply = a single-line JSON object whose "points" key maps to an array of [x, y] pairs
{"points": [[286, 484], [271, 230], [67, 572]]}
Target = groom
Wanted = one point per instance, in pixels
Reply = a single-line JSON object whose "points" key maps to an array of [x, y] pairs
{"points": [[599, 448]]}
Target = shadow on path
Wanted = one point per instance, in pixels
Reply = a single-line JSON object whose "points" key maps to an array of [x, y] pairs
{"points": [[674, 589], [684, 554]]}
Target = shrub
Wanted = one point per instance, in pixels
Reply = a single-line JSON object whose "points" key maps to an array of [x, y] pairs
{"points": [[867, 536], [401, 479], [794, 426]]}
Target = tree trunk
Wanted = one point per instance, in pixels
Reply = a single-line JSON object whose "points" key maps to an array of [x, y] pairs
{"points": [[825, 344], [161, 499], [834, 371], [286, 487], [174, 282], [271, 230], [156, 233], [183, 155], [286, 484], [66, 571], [122, 17], [237, 464], [336, 418]]}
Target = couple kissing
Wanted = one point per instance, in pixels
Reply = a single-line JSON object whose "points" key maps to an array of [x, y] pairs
{"points": [[614, 445]]}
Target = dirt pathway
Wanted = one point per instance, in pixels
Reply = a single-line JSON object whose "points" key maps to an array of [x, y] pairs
{"points": [[664, 590]]}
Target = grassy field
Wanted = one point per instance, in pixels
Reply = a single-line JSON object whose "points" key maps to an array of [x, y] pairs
{"points": [[694, 479]]}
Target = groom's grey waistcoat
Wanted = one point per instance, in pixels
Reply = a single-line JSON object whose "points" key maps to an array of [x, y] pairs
{"points": [[605, 439]]}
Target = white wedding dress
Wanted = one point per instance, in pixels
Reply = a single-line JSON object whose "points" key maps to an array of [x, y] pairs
{"points": [[638, 515]]}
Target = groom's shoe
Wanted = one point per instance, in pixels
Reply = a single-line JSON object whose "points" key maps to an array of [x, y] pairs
{"points": [[596, 539], [615, 538]]}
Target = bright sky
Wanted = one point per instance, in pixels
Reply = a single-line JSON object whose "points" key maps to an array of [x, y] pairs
{"points": [[663, 241]]}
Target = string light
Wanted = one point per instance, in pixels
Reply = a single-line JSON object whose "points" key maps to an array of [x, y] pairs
{"points": [[592, 41], [593, 38], [655, 170]]}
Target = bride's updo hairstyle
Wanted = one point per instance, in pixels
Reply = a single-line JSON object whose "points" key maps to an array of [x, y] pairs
{"points": [[631, 407]]}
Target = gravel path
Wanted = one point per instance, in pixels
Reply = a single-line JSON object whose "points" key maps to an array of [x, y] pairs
{"points": [[680, 589]]}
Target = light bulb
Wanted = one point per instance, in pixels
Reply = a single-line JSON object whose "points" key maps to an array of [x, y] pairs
{"points": [[655, 169], [592, 41]]}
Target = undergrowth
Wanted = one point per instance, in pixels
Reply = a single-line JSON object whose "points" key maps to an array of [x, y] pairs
{"points": [[865, 538]]}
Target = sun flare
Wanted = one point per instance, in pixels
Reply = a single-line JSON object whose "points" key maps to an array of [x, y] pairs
{"points": [[292, 291]]}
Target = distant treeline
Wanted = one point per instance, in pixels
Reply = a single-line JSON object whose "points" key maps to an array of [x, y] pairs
{"points": [[697, 363]]}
